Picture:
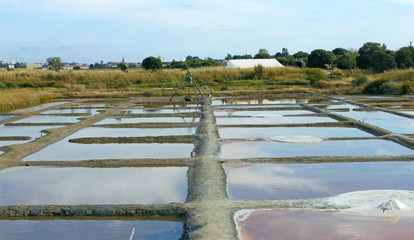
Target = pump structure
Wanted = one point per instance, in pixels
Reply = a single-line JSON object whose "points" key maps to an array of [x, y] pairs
{"points": [[188, 78]]}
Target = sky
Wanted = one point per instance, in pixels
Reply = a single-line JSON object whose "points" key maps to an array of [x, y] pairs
{"points": [[93, 30]]}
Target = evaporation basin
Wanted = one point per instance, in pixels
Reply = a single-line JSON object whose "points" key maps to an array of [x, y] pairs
{"points": [[78, 186]]}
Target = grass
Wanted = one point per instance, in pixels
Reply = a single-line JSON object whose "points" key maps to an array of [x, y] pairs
{"points": [[25, 87]]}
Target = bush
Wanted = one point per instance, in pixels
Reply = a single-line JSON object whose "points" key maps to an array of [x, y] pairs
{"points": [[359, 80], [315, 76], [336, 75], [406, 87], [258, 72], [377, 87]]}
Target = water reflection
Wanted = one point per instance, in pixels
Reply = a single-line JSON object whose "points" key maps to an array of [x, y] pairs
{"points": [[73, 186], [131, 132], [240, 101], [90, 111], [118, 120], [271, 120], [48, 119], [36, 108], [64, 229], [6, 116], [158, 110], [261, 113], [303, 224], [323, 132], [299, 181], [65, 151], [388, 121], [258, 149]]}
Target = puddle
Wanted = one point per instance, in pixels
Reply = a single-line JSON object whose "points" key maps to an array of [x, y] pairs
{"points": [[307, 224], [322, 132], [261, 149], [116, 120], [263, 114], [259, 106], [48, 119], [6, 116], [132, 132], [78, 186], [319, 180], [65, 151], [388, 121], [271, 120], [88, 228], [90, 111], [33, 109]]}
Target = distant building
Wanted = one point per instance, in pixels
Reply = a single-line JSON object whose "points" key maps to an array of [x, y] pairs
{"points": [[161, 57], [300, 62], [34, 65], [10, 65]]}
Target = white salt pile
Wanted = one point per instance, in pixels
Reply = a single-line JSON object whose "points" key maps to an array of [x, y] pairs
{"points": [[386, 203]]}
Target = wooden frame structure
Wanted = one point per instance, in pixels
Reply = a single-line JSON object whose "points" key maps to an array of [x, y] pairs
{"points": [[189, 78]]}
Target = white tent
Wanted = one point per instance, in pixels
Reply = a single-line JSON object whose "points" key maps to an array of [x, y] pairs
{"points": [[251, 63]]}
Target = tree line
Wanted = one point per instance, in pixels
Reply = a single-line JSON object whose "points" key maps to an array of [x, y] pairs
{"points": [[371, 55]]}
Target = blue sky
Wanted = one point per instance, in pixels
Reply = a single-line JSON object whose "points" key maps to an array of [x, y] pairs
{"points": [[94, 30]]}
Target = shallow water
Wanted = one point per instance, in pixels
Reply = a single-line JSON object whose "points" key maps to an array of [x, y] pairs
{"points": [[261, 113], [74, 186], [89, 229], [240, 101], [257, 149], [90, 111], [33, 132], [388, 121], [323, 132], [271, 120], [6, 116], [119, 120], [30, 131], [48, 119], [302, 224], [157, 110], [33, 109], [300, 181], [131, 132], [65, 151]]}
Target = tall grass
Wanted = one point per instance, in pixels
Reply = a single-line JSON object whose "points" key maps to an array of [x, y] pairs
{"points": [[16, 98]]}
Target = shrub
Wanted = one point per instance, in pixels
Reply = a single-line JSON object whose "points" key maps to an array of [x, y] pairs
{"points": [[359, 80], [258, 72], [315, 76]]}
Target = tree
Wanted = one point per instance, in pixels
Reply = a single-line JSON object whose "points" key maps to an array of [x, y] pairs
{"points": [[152, 63], [286, 61], [346, 61], [301, 54], [339, 51], [365, 59], [284, 53], [262, 54], [55, 63], [123, 67], [228, 57], [383, 61], [404, 57], [319, 57]]}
